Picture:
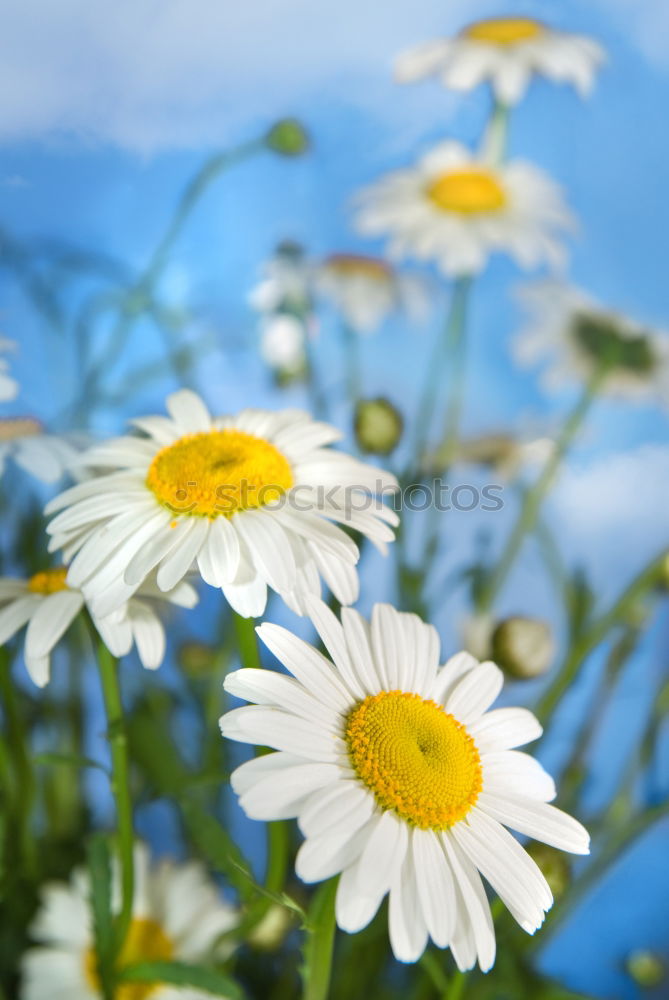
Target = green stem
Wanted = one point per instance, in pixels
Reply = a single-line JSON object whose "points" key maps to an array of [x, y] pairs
{"points": [[494, 143], [351, 344], [319, 942], [529, 511], [247, 642], [456, 990], [19, 751], [446, 346], [596, 633], [116, 734]]}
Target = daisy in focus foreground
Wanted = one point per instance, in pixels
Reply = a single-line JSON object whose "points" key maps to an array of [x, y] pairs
{"points": [[250, 498], [48, 606], [177, 916], [457, 209], [506, 52], [400, 779]]}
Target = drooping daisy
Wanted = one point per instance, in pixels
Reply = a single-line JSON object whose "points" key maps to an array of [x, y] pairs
{"points": [[400, 779], [283, 345], [456, 209], [366, 290], [249, 497], [9, 387], [46, 456], [178, 915], [573, 336], [506, 52], [48, 605]]}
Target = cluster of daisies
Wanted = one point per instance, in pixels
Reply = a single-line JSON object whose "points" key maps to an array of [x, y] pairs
{"points": [[403, 778]]}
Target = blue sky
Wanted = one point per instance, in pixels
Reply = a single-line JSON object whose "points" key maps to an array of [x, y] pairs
{"points": [[107, 109]]}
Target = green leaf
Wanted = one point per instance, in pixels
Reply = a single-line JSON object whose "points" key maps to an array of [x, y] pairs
{"points": [[319, 944], [181, 974], [69, 760], [99, 866]]}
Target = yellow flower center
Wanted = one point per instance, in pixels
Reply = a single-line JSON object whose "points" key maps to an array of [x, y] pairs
{"points": [[146, 942], [19, 427], [468, 192], [352, 265], [48, 581], [217, 473], [504, 30], [415, 757]]}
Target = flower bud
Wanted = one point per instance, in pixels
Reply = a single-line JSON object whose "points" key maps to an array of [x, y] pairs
{"points": [[268, 935], [523, 647], [645, 968], [554, 866], [378, 426], [287, 138]]}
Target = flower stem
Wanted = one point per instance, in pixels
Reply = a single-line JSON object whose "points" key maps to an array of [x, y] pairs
{"points": [[18, 750], [351, 344], [529, 511], [120, 783], [319, 942], [449, 344], [494, 142], [247, 642]]}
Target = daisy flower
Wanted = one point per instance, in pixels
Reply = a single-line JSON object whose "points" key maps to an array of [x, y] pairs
{"points": [[178, 916], [250, 498], [9, 387], [286, 281], [366, 290], [573, 336], [457, 209], [401, 779], [48, 606], [506, 52], [47, 457], [283, 345]]}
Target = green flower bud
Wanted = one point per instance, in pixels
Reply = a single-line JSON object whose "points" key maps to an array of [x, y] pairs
{"points": [[288, 138], [268, 935], [196, 658], [645, 968], [523, 647], [378, 426], [554, 865]]}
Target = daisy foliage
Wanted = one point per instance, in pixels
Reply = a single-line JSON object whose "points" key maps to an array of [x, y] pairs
{"points": [[402, 779], [249, 498]]}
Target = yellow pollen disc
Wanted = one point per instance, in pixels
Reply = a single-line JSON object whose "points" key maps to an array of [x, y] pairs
{"points": [[19, 427], [504, 30], [146, 942], [218, 473], [467, 192], [351, 265], [48, 581], [415, 757]]}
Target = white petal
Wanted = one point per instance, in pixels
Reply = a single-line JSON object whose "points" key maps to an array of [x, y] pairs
{"points": [[334, 639], [310, 667], [54, 615], [538, 820], [265, 687], [282, 793], [188, 411], [269, 548], [322, 857], [504, 729], [511, 771], [383, 855], [435, 885], [175, 566], [475, 692], [343, 806], [450, 674], [272, 727], [406, 924], [475, 903], [15, 615], [148, 633]]}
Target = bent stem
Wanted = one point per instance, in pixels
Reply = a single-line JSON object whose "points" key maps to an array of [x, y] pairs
{"points": [[531, 505], [120, 784]]}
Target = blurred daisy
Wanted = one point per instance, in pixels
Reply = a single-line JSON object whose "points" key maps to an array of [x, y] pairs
{"points": [[367, 290], [248, 497], [286, 281], [506, 52], [456, 209], [47, 457], [48, 606], [503, 454], [178, 916], [9, 387], [283, 345], [574, 337], [400, 779]]}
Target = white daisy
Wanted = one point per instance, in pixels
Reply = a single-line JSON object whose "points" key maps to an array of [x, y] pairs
{"points": [[367, 290], [400, 779], [178, 915], [249, 497], [48, 606], [283, 344], [572, 335], [506, 52], [456, 209], [9, 387], [47, 457], [286, 282]]}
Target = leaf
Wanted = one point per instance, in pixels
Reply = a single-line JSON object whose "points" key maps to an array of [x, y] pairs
{"points": [[99, 866], [69, 760], [320, 942], [181, 974]]}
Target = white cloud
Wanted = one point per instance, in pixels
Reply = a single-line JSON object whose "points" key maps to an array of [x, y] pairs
{"points": [[154, 74]]}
